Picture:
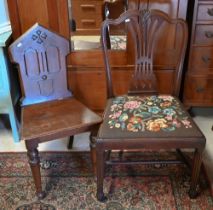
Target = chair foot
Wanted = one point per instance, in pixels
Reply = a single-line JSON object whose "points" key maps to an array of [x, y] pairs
{"points": [[193, 193], [70, 142], [41, 195], [101, 197], [34, 161]]}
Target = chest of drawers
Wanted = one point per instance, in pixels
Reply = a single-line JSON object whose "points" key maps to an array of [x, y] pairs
{"points": [[87, 15], [198, 85]]}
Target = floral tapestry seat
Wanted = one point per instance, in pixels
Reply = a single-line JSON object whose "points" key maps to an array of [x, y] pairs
{"points": [[136, 116]]}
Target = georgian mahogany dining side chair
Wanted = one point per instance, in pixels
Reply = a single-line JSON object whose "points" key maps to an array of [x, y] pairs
{"points": [[49, 110], [145, 119]]}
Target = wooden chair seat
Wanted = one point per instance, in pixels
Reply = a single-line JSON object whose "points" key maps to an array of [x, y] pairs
{"points": [[56, 119]]}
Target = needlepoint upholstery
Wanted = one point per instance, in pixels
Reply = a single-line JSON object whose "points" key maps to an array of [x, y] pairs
{"points": [[136, 116]]}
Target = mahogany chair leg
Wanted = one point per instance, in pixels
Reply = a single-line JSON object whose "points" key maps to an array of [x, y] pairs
{"points": [[100, 174], [107, 154], [34, 162], [93, 134], [70, 143], [195, 173], [93, 154]]}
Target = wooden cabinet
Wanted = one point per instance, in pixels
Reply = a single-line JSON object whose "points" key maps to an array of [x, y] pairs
{"points": [[174, 8], [87, 77], [52, 14], [87, 15], [165, 56], [86, 71], [198, 88], [86, 74]]}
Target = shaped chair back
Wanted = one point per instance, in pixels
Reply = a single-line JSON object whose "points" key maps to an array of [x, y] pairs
{"points": [[145, 28], [41, 57]]}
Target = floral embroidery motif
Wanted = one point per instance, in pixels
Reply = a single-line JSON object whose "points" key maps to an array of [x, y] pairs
{"points": [[152, 113]]}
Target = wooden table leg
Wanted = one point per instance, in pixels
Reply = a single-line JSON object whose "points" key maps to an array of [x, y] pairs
{"points": [[195, 173], [34, 162]]}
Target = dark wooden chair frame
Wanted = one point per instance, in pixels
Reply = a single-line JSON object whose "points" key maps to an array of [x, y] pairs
{"points": [[59, 111], [144, 69]]}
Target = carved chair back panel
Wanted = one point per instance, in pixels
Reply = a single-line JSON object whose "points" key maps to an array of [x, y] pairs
{"points": [[41, 56], [146, 28]]}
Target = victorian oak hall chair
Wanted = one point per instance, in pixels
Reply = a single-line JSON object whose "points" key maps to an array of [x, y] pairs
{"points": [[144, 118], [49, 110]]}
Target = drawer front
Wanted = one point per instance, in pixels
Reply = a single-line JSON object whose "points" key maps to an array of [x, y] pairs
{"points": [[87, 9], [88, 23], [198, 90], [203, 34], [201, 60], [205, 12], [87, 14]]}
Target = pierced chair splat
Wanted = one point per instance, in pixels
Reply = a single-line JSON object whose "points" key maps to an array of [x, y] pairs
{"points": [[145, 118], [49, 110]]}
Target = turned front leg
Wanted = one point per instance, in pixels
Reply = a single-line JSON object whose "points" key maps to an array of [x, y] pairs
{"points": [[195, 173], [34, 162]]}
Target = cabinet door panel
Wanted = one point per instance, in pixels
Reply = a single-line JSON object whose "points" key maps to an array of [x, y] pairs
{"points": [[52, 14], [168, 38], [37, 13], [89, 86], [166, 54], [174, 8], [136, 4]]}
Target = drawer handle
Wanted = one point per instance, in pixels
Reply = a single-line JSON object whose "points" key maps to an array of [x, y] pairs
{"points": [[200, 89], [210, 11], [88, 6], [209, 34], [206, 59]]}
